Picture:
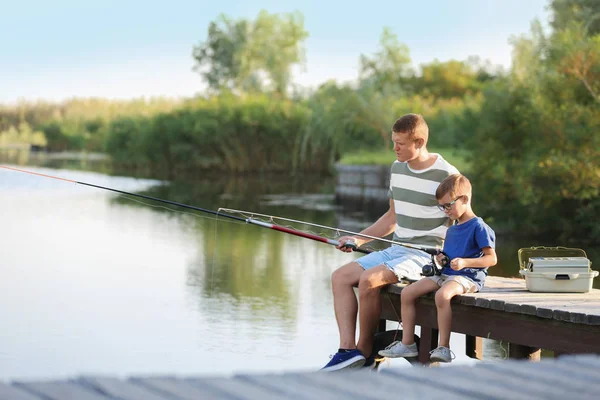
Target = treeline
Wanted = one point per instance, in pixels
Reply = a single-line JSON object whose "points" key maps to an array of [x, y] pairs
{"points": [[531, 131], [252, 131]]}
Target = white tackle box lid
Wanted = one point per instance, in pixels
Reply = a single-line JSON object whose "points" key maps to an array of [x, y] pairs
{"points": [[551, 264], [541, 252]]}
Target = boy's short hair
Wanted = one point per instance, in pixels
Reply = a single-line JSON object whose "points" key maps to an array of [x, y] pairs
{"points": [[414, 125], [455, 185]]}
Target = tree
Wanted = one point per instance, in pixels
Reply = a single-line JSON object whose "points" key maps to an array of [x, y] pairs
{"points": [[446, 79], [577, 55], [388, 67], [566, 12], [247, 56]]}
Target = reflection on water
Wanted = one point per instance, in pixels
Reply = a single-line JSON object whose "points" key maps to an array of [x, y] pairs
{"points": [[94, 282]]}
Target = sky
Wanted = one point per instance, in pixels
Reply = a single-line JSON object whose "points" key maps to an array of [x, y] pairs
{"points": [[55, 50]]}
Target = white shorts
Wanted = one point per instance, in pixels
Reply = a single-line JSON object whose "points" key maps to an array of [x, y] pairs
{"points": [[467, 284]]}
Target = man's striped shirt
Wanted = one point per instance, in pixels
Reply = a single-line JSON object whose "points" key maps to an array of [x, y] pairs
{"points": [[418, 220]]}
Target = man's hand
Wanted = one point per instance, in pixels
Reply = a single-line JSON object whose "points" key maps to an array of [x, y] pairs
{"points": [[348, 239]]}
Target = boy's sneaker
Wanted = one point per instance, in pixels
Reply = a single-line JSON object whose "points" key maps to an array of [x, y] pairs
{"points": [[350, 359], [441, 354], [399, 349]]}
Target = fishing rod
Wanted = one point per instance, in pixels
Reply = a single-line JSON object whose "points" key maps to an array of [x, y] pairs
{"points": [[233, 217], [432, 250]]}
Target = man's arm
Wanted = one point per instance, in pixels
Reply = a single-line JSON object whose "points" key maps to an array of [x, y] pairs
{"points": [[380, 228]]}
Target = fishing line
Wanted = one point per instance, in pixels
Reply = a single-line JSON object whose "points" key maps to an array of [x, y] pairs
{"points": [[217, 213], [419, 247], [199, 216]]}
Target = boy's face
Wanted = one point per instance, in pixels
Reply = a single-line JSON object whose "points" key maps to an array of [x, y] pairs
{"points": [[404, 147], [453, 207]]}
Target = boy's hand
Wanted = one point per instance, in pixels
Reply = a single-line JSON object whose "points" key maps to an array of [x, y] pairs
{"points": [[457, 264], [440, 258]]}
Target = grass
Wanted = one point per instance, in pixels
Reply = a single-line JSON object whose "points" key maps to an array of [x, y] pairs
{"points": [[456, 157]]}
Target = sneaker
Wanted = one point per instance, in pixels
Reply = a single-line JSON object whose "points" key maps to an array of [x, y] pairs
{"points": [[350, 359], [399, 349], [441, 354], [370, 362]]}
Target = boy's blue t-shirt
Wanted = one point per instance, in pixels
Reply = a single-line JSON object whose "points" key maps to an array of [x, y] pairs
{"points": [[467, 241]]}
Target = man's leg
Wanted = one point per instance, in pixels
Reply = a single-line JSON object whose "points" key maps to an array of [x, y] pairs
{"points": [[345, 305], [371, 281]]}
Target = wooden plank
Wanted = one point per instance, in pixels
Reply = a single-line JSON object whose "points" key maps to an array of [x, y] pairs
{"points": [[364, 384], [457, 379], [561, 378], [235, 388], [14, 393], [60, 390], [116, 388], [290, 386], [177, 389], [583, 359], [521, 387]]}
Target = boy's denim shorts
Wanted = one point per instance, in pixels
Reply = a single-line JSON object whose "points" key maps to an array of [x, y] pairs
{"points": [[406, 263]]}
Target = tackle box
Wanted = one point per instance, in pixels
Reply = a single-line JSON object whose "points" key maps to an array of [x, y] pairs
{"points": [[556, 269]]}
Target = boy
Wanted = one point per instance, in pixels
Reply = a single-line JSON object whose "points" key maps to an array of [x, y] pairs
{"points": [[470, 247]]}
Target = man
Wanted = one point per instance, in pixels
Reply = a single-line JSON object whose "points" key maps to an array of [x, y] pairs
{"points": [[414, 218]]}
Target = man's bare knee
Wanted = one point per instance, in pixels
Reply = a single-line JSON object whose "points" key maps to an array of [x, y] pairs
{"points": [[374, 279], [348, 274]]}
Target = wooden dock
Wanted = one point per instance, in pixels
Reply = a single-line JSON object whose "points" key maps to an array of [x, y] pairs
{"points": [[566, 377], [566, 323]]}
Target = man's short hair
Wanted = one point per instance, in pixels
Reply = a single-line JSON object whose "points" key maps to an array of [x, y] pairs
{"points": [[414, 125], [455, 185]]}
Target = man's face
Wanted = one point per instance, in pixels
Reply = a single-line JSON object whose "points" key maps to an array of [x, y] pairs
{"points": [[404, 147]]}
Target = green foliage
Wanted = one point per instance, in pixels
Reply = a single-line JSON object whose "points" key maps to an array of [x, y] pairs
{"points": [[249, 56], [388, 67], [22, 135], [566, 12], [535, 145], [243, 134], [447, 80]]}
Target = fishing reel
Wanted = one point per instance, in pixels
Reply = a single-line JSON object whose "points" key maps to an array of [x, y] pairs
{"points": [[434, 268]]}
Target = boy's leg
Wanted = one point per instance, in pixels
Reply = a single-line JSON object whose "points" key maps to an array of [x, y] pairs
{"points": [[344, 302], [408, 297], [449, 289], [371, 281], [407, 347]]}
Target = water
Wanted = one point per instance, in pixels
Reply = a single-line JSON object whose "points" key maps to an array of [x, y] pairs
{"points": [[97, 283]]}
